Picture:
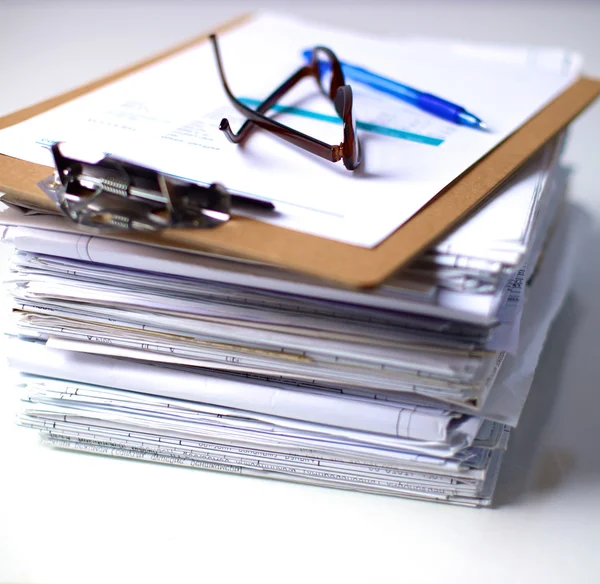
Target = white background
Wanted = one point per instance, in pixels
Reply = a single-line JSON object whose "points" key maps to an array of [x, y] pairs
{"points": [[68, 517]]}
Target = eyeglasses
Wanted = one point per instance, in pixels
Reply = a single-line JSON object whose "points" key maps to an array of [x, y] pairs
{"points": [[322, 59]]}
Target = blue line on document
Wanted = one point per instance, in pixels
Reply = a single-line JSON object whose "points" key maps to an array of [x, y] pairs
{"points": [[376, 128]]}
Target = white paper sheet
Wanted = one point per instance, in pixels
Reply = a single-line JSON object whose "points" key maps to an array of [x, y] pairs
{"points": [[549, 289], [295, 340], [290, 412], [167, 117], [45, 236], [502, 229]]}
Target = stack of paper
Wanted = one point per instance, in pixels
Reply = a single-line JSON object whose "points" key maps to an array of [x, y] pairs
{"points": [[495, 241], [213, 361], [212, 374]]}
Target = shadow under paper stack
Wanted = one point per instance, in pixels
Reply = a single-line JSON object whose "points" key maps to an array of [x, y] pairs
{"points": [[407, 390]]}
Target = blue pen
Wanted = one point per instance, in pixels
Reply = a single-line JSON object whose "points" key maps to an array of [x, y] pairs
{"points": [[424, 101]]}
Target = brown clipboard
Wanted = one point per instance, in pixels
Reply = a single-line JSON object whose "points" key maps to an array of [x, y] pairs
{"points": [[342, 263]]}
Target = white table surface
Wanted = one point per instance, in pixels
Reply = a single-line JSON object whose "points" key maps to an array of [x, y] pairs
{"points": [[67, 517]]}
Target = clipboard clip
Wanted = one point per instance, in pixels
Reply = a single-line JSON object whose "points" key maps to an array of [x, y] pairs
{"points": [[111, 193]]}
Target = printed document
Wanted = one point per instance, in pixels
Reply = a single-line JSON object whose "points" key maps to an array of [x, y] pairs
{"points": [[167, 117]]}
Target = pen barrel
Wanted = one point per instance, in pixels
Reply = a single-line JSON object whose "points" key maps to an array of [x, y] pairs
{"points": [[439, 107]]}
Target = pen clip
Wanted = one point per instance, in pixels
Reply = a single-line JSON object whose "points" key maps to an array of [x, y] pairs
{"points": [[113, 194]]}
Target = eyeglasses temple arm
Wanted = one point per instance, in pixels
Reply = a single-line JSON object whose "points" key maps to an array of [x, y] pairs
{"points": [[263, 107], [255, 117]]}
